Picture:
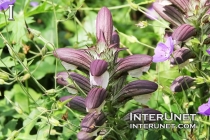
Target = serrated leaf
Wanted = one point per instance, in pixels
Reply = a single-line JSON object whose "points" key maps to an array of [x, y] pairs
{"points": [[18, 28]]}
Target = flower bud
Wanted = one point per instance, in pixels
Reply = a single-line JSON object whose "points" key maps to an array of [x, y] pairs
{"points": [[75, 57], [4, 76], [181, 83], [183, 32], [95, 99], [169, 13], [129, 117], [104, 25], [207, 40], [115, 39], [92, 121], [25, 77], [44, 50], [54, 122], [181, 55], [75, 102]]}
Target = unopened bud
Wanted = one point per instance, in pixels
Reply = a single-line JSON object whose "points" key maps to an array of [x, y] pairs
{"points": [[4, 76], [54, 122], [25, 77], [50, 92]]}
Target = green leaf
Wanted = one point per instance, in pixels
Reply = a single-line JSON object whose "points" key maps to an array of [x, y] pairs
{"points": [[18, 28], [9, 127], [44, 67], [8, 61]]}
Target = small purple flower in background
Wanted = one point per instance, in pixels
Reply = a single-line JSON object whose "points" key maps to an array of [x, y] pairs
{"points": [[208, 51], [204, 109], [163, 51], [34, 4], [4, 4], [151, 13]]}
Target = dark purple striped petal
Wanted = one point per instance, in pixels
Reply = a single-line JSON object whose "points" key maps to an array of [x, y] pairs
{"points": [[181, 83], [95, 98], [181, 55], [132, 62], [135, 88], [183, 32], [76, 57]]}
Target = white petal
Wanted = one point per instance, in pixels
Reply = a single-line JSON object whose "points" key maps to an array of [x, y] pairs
{"points": [[138, 72], [102, 80], [68, 66], [143, 99], [71, 90]]}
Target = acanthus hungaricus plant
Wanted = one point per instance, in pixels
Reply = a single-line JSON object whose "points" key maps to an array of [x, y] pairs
{"points": [[100, 89]]}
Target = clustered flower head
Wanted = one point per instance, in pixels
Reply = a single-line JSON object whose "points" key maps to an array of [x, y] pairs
{"points": [[102, 78]]}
